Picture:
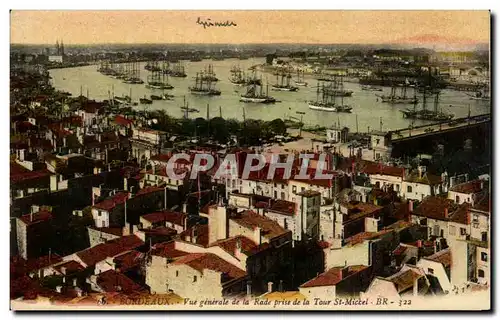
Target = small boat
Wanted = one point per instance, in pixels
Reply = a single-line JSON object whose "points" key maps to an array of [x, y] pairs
{"points": [[189, 109], [145, 100], [155, 97], [370, 88]]}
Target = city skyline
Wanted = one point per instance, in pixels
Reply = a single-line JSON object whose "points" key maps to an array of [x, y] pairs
{"points": [[259, 27]]}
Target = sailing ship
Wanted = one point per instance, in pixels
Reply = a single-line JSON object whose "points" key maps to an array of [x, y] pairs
{"points": [[254, 95], [283, 82], [158, 80], [394, 98], [336, 87], [237, 76], [426, 114], [152, 66], [203, 87], [209, 74], [132, 74], [370, 88], [178, 71], [253, 79], [326, 101], [300, 79]]}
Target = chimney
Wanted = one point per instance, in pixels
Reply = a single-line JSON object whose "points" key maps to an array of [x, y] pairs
{"points": [[419, 172], [415, 287], [237, 250], [249, 288], [446, 213], [344, 272], [468, 217], [419, 243], [269, 287], [410, 206], [257, 237], [435, 246]]}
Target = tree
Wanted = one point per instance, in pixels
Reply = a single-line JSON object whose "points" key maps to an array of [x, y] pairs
{"points": [[219, 130], [277, 127]]}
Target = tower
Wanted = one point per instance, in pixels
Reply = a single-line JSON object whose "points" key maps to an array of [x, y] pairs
{"points": [[62, 48], [57, 47]]}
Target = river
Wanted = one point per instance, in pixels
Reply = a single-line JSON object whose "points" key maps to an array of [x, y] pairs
{"points": [[367, 111]]}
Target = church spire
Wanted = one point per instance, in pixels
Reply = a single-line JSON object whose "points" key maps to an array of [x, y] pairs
{"points": [[57, 47]]}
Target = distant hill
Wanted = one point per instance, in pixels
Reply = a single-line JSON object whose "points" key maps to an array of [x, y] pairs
{"points": [[440, 43]]}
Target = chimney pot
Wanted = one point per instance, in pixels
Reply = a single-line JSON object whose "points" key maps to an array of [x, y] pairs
{"points": [[446, 213]]}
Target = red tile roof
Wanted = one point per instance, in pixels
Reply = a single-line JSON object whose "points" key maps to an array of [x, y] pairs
{"points": [[470, 187], [251, 220], [283, 206], [148, 190], [167, 250], [127, 260], [20, 267], [121, 120], [404, 280], [71, 267], [209, 261], [333, 276], [174, 217], [434, 207], [443, 257], [201, 234], [19, 174], [161, 231], [112, 281], [324, 244], [376, 168], [483, 204], [362, 236], [229, 245], [357, 210], [37, 217], [111, 203], [111, 248]]}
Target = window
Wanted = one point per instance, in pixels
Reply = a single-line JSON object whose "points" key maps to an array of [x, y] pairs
{"points": [[282, 196], [480, 273], [408, 189], [177, 273], [457, 199], [452, 230], [275, 194], [302, 189], [475, 218], [484, 256], [397, 188], [195, 278], [99, 213], [378, 141], [294, 189], [275, 185], [430, 270], [463, 231]]}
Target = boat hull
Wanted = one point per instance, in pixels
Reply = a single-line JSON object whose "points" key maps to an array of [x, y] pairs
{"points": [[287, 89]]}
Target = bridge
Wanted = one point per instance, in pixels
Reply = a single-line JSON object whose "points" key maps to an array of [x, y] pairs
{"points": [[438, 128]]}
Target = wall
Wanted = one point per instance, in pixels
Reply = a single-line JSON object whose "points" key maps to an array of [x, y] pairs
{"points": [[323, 292], [462, 197], [418, 190], [381, 288], [96, 237], [483, 265], [438, 271], [347, 255]]}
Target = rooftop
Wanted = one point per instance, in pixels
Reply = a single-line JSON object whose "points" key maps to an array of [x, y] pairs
{"points": [[40, 216], [251, 220], [110, 203], [111, 248], [167, 250], [210, 261], [229, 245], [174, 217], [112, 281], [443, 257], [333, 276], [404, 279], [376, 168], [470, 187]]}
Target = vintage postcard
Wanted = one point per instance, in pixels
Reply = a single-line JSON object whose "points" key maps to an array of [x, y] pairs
{"points": [[250, 160]]}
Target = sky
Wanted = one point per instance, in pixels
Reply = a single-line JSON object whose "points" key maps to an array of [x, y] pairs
{"points": [[315, 27]]}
